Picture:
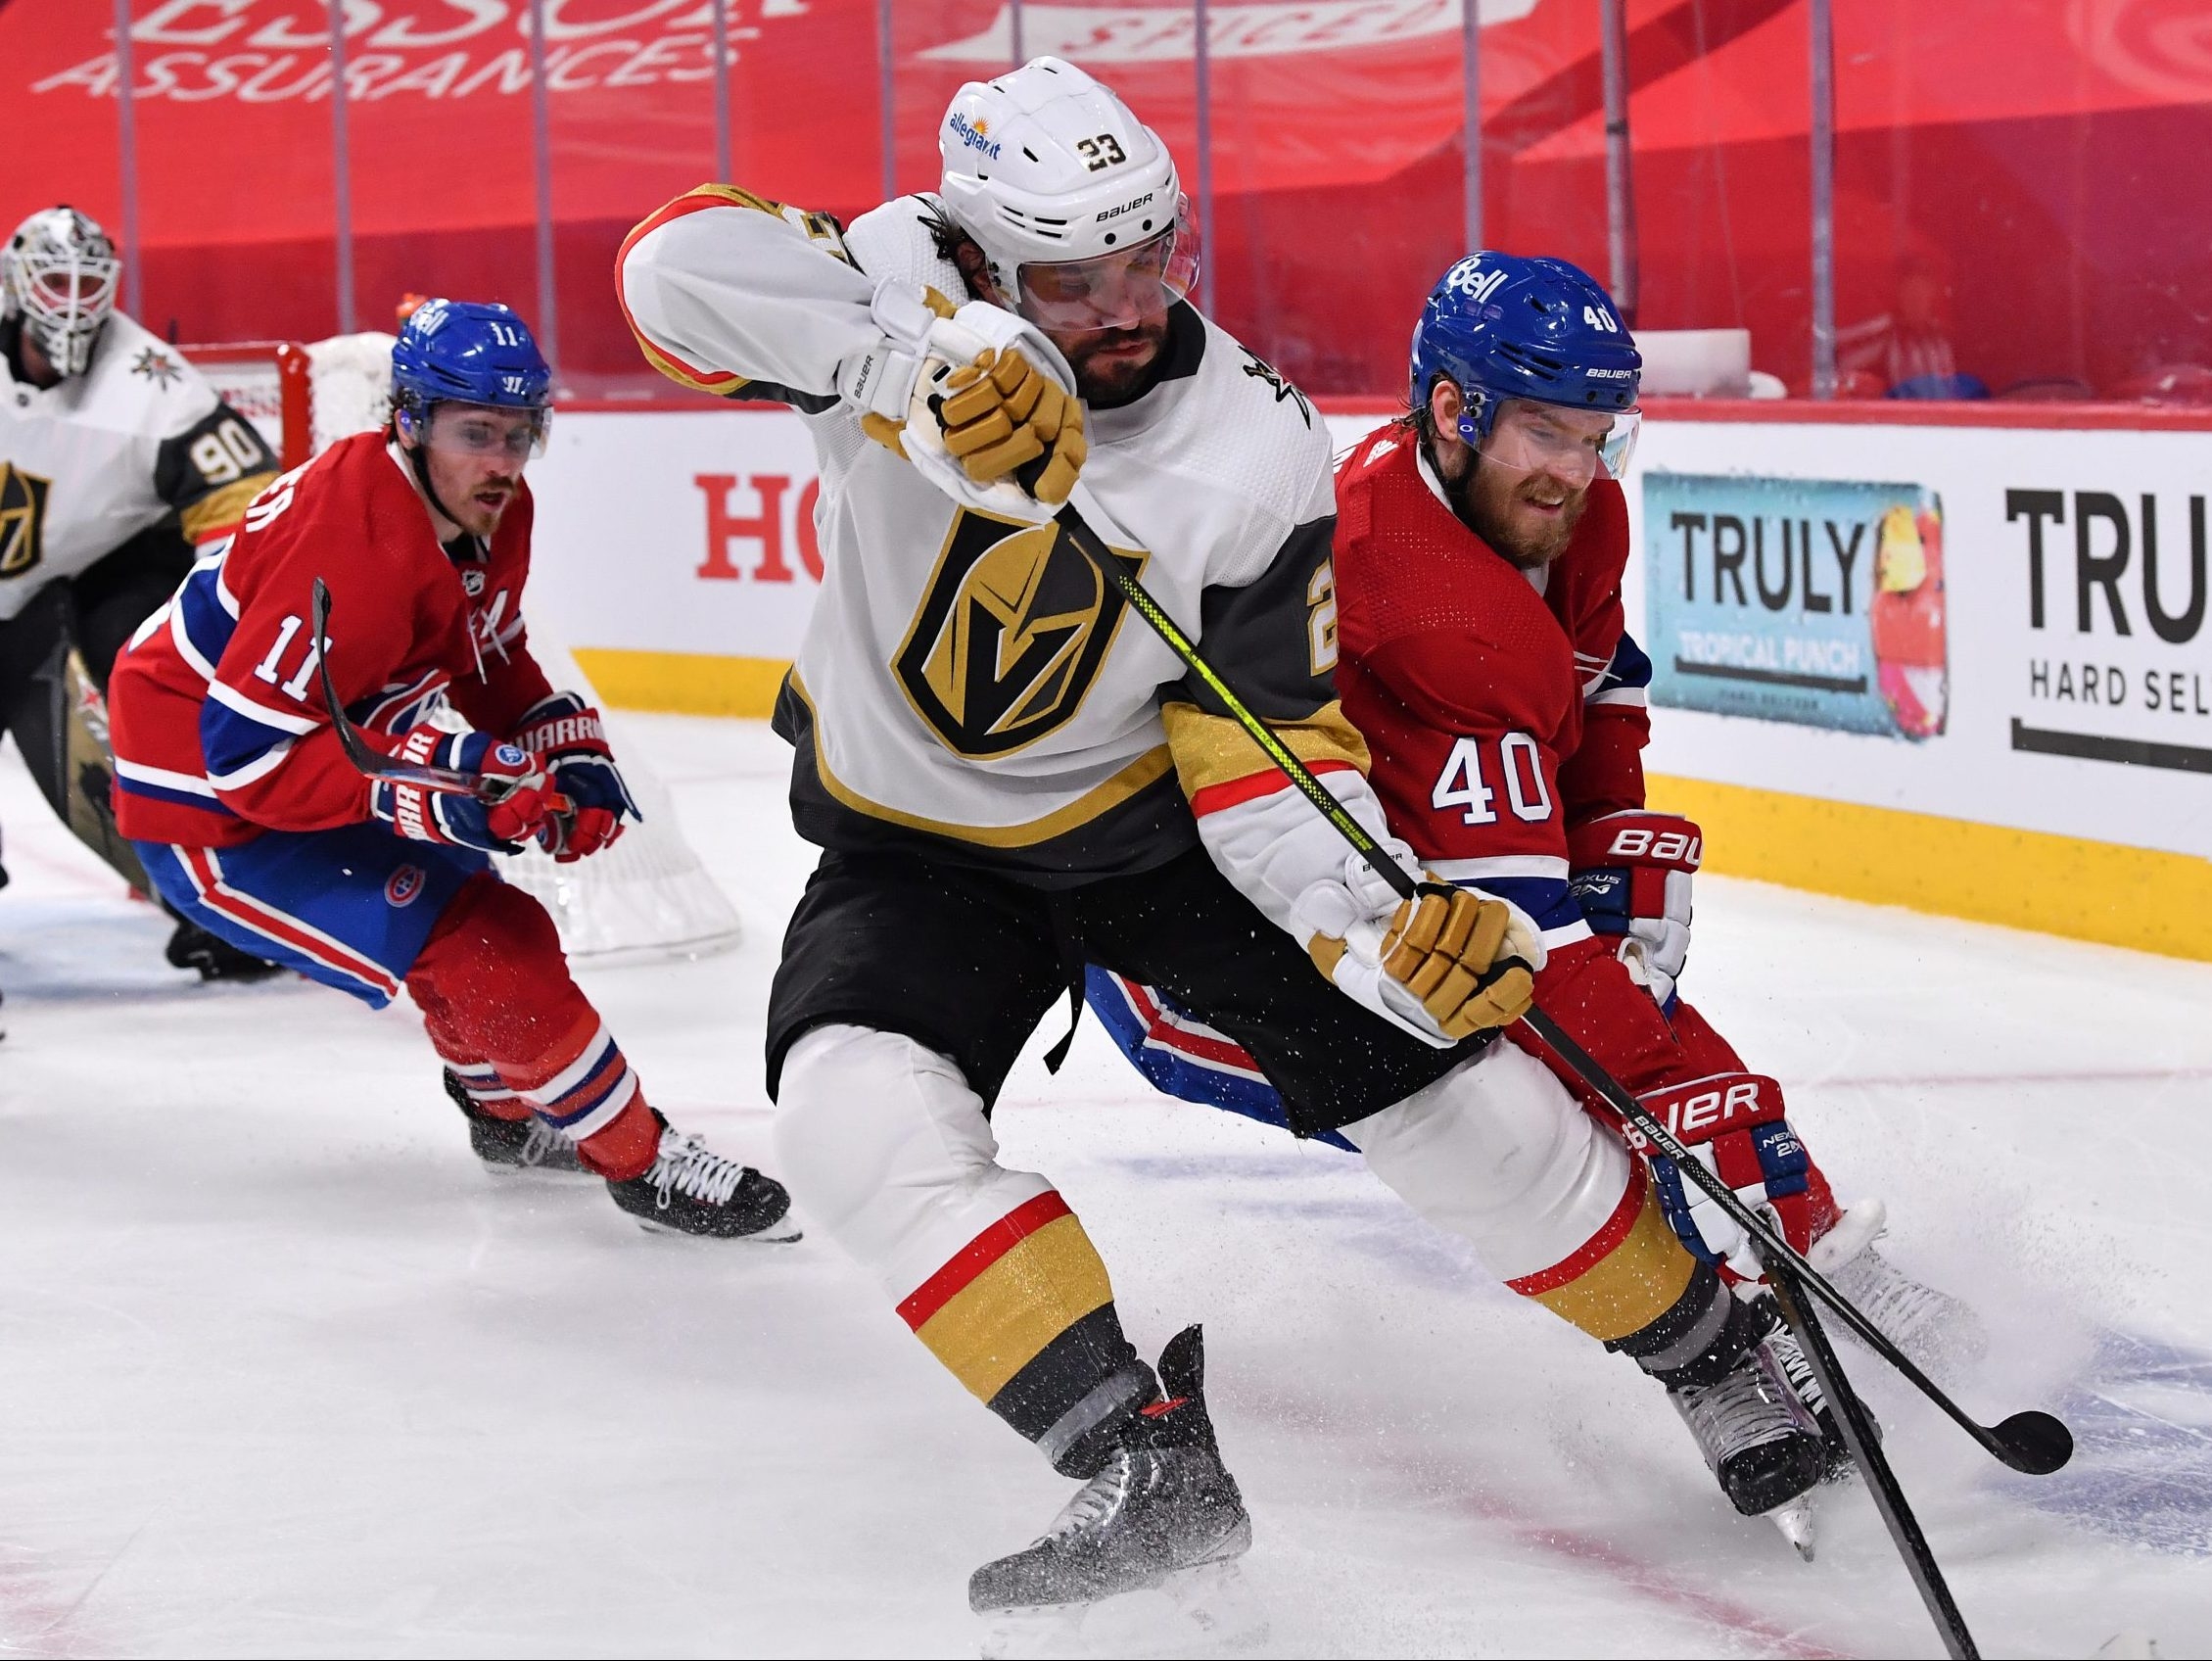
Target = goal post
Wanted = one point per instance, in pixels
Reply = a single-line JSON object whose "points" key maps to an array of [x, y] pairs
{"points": [[649, 896]]}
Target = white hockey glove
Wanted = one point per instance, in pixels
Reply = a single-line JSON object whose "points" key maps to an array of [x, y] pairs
{"points": [[1442, 967], [1630, 874], [979, 400]]}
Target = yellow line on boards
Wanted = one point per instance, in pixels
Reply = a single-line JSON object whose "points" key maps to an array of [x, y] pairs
{"points": [[2120, 896], [681, 682]]}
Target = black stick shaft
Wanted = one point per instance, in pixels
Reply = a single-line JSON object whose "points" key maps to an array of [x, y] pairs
{"points": [[1866, 1448], [367, 760]]}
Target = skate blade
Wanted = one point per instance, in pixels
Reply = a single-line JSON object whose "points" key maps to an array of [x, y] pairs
{"points": [[1203, 1610], [1795, 1520], [533, 1173], [775, 1234]]}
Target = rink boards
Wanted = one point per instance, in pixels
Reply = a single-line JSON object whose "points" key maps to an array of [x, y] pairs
{"points": [[1951, 657]]}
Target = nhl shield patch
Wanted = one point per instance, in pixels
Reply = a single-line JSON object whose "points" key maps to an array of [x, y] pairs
{"points": [[1009, 635]]}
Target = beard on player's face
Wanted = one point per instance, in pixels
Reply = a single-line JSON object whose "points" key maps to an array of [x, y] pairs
{"points": [[1528, 517], [1113, 366], [475, 490]]}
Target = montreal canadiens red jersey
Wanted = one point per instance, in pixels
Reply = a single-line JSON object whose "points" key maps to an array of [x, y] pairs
{"points": [[1501, 706], [215, 707]]}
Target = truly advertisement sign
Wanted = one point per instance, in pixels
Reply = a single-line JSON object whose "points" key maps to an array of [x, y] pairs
{"points": [[1987, 616], [2117, 665], [1808, 600]]}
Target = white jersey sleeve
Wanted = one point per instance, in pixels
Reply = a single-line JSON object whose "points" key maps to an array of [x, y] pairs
{"points": [[732, 294]]}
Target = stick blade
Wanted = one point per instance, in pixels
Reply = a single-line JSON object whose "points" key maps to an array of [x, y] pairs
{"points": [[2035, 1443]]}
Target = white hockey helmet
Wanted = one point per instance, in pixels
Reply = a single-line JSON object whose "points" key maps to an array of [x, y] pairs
{"points": [[60, 272], [1073, 200]]}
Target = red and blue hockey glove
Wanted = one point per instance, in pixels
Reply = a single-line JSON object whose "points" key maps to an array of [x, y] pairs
{"points": [[1733, 1123], [566, 736], [1630, 874], [524, 798]]}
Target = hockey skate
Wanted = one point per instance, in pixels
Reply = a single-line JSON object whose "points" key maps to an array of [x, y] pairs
{"points": [[514, 1146], [1940, 1331], [213, 958], [1761, 1442], [1163, 1505], [689, 1189]]}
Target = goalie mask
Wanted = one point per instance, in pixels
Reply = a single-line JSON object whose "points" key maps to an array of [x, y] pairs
{"points": [[1073, 200], [59, 273]]}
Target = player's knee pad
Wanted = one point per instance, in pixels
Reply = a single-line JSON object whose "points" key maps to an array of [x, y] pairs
{"points": [[493, 945], [1500, 1152], [887, 1147], [884, 1144]]}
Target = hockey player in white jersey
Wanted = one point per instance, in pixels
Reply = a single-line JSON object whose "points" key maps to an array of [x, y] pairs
{"points": [[116, 458], [1009, 777]]}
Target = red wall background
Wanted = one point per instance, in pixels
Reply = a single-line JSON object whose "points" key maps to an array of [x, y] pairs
{"points": [[2022, 194]]}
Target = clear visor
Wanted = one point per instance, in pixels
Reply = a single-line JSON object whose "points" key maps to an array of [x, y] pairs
{"points": [[1576, 446], [1118, 290], [487, 430]]}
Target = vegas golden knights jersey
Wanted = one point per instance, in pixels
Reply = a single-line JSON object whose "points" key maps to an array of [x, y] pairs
{"points": [[88, 464], [970, 686]]}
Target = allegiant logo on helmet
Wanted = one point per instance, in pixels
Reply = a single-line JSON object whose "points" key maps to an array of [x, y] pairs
{"points": [[974, 137]]}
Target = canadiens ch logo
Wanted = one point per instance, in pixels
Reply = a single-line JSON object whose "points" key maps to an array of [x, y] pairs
{"points": [[1009, 635], [23, 518], [403, 885]]}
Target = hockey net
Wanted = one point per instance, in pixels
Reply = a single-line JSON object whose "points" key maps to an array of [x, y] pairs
{"points": [[650, 895]]}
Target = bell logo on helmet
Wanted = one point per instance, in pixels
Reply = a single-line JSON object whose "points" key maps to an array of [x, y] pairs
{"points": [[976, 136], [428, 318], [1470, 279]]}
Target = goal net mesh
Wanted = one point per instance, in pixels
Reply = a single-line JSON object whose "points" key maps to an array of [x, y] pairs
{"points": [[650, 895]]}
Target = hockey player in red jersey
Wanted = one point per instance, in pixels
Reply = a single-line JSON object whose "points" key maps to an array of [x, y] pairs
{"points": [[1484, 657], [251, 820]]}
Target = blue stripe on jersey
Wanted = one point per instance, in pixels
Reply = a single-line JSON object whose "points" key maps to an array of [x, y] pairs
{"points": [[208, 625], [163, 793], [1544, 898], [1630, 667], [1178, 1076], [231, 740]]}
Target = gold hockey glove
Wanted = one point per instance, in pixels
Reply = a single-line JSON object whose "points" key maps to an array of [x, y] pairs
{"points": [[1004, 418], [1450, 949]]}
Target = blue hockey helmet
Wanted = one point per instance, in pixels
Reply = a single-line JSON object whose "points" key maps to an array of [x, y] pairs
{"points": [[1500, 327], [467, 352]]}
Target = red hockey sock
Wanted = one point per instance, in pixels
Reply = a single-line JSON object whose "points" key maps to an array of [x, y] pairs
{"points": [[493, 984], [627, 1147]]}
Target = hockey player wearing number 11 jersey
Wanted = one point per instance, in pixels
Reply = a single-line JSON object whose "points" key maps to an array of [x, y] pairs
{"points": [[252, 820], [1009, 777]]}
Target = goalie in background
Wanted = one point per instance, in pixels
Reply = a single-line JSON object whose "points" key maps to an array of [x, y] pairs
{"points": [[237, 793], [115, 458]]}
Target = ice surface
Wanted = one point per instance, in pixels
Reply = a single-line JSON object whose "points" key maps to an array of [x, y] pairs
{"points": [[283, 1372]]}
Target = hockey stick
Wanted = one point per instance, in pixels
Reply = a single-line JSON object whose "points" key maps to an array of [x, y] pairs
{"points": [[367, 760], [2032, 1442], [1866, 1447]]}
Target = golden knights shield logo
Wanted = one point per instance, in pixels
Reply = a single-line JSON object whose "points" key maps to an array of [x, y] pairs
{"points": [[22, 513], [1009, 635]]}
